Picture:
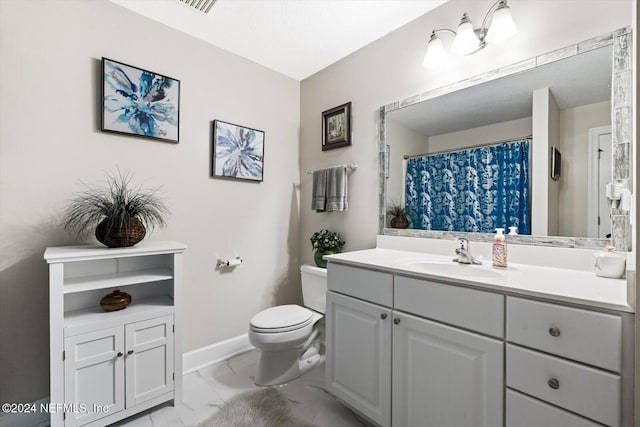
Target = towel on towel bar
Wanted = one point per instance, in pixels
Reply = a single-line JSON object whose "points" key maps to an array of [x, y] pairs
{"points": [[330, 190], [337, 191], [319, 191]]}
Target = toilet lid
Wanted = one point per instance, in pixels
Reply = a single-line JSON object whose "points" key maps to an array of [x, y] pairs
{"points": [[282, 318]]}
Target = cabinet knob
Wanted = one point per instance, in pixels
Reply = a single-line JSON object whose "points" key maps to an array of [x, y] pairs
{"points": [[383, 316], [396, 321], [554, 332], [130, 352], [554, 383], [119, 354]]}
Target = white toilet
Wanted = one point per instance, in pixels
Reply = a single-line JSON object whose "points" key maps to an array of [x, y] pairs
{"points": [[289, 337]]}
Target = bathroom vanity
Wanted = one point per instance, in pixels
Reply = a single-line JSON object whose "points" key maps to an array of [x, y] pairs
{"points": [[414, 339]]}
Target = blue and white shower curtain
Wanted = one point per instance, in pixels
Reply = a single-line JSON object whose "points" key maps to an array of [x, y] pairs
{"points": [[477, 189]]}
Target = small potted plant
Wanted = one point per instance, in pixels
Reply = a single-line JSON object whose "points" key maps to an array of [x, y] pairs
{"points": [[118, 212], [325, 242], [398, 214]]}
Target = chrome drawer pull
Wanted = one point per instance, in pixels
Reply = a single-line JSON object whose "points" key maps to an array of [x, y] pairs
{"points": [[554, 383], [554, 332], [383, 316]]}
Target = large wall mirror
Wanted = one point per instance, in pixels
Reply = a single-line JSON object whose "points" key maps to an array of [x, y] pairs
{"points": [[562, 117]]}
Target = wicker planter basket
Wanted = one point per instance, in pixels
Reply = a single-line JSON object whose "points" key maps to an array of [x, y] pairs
{"points": [[114, 236], [399, 222]]}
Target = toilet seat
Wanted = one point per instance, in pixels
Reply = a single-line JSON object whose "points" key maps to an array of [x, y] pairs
{"points": [[282, 318]]}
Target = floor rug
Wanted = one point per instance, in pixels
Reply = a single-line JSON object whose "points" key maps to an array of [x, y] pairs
{"points": [[259, 408]]}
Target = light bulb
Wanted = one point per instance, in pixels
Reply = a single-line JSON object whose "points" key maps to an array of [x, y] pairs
{"points": [[436, 55], [466, 41], [502, 26]]}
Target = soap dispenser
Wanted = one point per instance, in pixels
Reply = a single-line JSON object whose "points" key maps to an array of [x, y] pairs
{"points": [[500, 249]]}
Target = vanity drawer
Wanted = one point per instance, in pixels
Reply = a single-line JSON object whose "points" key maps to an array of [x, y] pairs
{"points": [[364, 284], [586, 391], [525, 411], [586, 336], [455, 305]]}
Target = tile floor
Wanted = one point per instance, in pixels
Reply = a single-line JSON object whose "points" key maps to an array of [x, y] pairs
{"points": [[205, 390]]}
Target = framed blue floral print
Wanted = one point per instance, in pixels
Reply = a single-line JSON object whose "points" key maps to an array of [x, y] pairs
{"points": [[238, 152], [139, 102]]}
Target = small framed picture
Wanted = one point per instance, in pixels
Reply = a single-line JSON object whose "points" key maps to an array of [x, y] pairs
{"points": [[336, 127], [238, 152], [139, 102]]}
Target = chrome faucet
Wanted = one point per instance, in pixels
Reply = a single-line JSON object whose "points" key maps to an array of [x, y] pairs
{"points": [[463, 252]]}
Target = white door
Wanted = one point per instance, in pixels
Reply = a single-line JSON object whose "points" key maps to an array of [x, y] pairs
{"points": [[600, 174], [358, 364], [149, 359], [444, 376], [94, 374]]}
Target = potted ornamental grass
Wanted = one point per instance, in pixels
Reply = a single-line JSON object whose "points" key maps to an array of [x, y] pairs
{"points": [[325, 242], [398, 215], [117, 211]]}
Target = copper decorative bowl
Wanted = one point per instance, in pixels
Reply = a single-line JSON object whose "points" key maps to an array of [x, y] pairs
{"points": [[116, 300]]}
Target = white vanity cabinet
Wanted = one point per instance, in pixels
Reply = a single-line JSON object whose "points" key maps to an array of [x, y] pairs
{"points": [[413, 352], [358, 340], [444, 376], [106, 366], [567, 357], [399, 363]]}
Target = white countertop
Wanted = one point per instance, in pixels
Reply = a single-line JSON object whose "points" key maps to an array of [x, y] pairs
{"points": [[564, 285]]}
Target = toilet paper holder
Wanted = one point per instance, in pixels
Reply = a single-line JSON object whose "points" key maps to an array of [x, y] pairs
{"points": [[223, 263]]}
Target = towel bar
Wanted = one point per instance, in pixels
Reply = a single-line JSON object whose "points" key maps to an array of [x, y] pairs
{"points": [[351, 166]]}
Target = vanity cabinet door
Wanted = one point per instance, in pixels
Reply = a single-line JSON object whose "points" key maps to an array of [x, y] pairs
{"points": [[149, 359], [358, 363], [94, 374], [444, 376]]}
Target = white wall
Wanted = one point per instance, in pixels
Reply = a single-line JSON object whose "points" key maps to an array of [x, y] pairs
{"points": [[544, 190], [390, 69], [574, 134], [402, 141], [481, 135], [554, 185], [49, 139]]}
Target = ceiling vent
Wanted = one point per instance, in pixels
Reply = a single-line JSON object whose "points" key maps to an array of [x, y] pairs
{"points": [[203, 6]]}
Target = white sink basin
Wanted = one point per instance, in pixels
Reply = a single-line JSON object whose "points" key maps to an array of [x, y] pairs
{"points": [[441, 268]]}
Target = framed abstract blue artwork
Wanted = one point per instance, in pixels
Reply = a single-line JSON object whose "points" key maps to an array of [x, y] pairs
{"points": [[238, 152], [139, 102]]}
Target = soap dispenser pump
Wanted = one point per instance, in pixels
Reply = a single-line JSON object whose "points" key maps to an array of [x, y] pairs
{"points": [[500, 249]]}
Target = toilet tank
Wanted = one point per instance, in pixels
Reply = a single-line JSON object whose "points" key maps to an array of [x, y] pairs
{"points": [[314, 287]]}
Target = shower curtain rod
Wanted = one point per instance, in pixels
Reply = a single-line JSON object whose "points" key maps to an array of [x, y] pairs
{"points": [[489, 144]]}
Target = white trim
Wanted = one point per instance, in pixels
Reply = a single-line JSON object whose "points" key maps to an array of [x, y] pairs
{"points": [[592, 176], [223, 350], [31, 419]]}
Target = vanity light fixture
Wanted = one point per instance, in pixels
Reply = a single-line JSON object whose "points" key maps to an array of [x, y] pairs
{"points": [[468, 40]]}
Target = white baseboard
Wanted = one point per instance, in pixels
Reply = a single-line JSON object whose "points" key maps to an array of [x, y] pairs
{"points": [[223, 350], [31, 419]]}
